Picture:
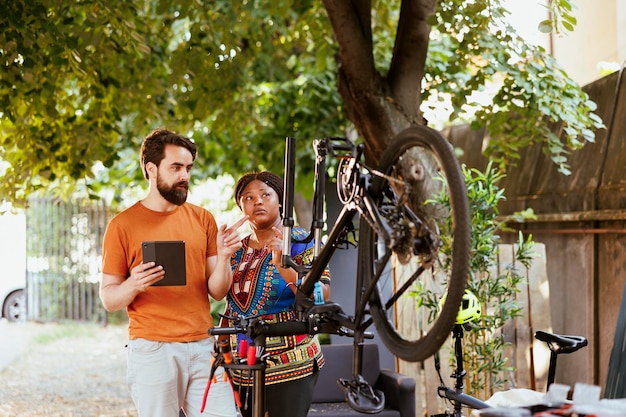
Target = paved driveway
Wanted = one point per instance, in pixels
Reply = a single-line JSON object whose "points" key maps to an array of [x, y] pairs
{"points": [[14, 340]]}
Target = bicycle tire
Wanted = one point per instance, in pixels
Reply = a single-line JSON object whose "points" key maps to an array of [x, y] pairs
{"points": [[397, 180]]}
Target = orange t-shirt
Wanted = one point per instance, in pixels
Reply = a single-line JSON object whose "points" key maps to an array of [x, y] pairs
{"points": [[164, 313]]}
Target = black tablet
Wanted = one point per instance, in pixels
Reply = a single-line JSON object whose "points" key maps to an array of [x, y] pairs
{"points": [[170, 255]]}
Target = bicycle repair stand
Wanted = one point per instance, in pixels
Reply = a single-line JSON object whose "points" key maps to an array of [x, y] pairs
{"points": [[360, 395], [223, 357], [258, 386], [456, 395]]}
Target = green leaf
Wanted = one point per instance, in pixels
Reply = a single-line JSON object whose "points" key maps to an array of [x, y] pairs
{"points": [[545, 26]]}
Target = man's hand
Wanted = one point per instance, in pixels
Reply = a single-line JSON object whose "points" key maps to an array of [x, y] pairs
{"points": [[144, 275]]}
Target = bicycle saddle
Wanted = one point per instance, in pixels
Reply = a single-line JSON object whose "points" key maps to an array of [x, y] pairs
{"points": [[559, 343]]}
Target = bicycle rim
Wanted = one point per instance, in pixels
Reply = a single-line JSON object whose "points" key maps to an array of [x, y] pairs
{"points": [[417, 170]]}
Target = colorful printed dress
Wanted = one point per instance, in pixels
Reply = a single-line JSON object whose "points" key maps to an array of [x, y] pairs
{"points": [[259, 289]]}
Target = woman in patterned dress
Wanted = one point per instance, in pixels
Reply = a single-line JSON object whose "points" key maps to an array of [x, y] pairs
{"points": [[261, 286]]}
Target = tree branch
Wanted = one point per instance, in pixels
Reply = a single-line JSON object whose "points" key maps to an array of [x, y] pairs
{"points": [[359, 84], [409, 56], [351, 22]]}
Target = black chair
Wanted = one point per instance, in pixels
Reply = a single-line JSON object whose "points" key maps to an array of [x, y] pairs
{"points": [[329, 398]]}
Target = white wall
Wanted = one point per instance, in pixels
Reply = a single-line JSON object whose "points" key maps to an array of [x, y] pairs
{"points": [[12, 253], [599, 35], [594, 40]]}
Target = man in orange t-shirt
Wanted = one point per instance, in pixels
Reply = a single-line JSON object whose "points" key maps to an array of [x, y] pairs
{"points": [[169, 348]]}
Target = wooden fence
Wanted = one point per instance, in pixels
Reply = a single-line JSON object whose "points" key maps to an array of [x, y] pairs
{"points": [[581, 220]]}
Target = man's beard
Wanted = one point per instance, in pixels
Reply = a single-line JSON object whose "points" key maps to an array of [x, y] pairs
{"points": [[171, 193]]}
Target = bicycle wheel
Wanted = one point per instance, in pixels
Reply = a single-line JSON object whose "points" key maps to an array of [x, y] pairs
{"points": [[422, 248]]}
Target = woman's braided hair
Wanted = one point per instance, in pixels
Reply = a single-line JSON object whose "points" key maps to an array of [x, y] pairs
{"points": [[269, 178]]}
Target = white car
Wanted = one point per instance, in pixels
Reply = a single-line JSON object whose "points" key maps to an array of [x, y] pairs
{"points": [[13, 261], [14, 305]]}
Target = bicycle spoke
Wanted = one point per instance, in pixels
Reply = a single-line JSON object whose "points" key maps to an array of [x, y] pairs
{"points": [[400, 291]]}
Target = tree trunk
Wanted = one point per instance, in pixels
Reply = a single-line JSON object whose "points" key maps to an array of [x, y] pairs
{"points": [[380, 106]]}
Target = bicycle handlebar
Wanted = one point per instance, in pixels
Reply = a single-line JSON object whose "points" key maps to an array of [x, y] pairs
{"points": [[286, 328]]}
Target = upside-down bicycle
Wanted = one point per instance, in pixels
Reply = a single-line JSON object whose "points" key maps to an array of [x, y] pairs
{"points": [[412, 227]]}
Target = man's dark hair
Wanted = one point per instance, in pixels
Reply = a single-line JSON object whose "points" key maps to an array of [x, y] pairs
{"points": [[271, 179], [153, 147]]}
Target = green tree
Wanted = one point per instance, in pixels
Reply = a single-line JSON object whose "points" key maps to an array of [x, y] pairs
{"points": [[83, 82]]}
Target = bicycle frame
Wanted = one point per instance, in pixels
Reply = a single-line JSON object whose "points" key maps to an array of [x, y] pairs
{"points": [[456, 395], [556, 343], [327, 317], [359, 202]]}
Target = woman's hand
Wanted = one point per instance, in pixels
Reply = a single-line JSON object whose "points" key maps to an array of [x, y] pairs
{"points": [[276, 246], [228, 240]]}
